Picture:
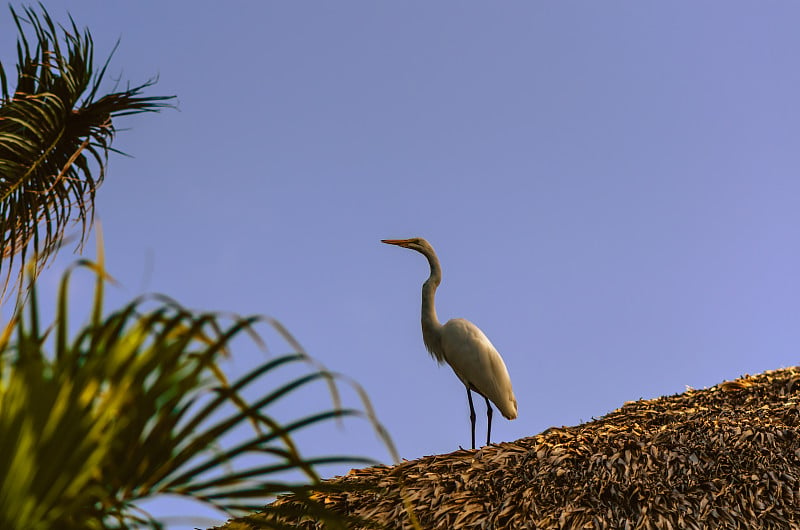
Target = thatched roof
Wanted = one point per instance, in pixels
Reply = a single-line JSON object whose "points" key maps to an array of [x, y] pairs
{"points": [[722, 457]]}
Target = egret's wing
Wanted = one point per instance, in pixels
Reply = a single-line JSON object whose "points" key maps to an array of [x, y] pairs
{"points": [[477, 363]]}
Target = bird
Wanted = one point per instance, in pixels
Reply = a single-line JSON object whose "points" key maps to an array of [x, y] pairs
{"points": [[463, 346]]}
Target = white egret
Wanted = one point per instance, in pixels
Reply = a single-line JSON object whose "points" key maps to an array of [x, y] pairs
{"points": [[463, 346]]}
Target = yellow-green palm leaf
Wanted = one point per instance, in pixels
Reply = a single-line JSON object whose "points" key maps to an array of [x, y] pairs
{"points": [[133, 405]]}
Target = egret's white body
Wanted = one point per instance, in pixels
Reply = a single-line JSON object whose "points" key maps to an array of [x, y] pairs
{"points": [[463, 346]]}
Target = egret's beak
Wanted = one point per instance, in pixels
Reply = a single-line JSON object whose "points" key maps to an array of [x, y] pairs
{"points": [[398, 242]]}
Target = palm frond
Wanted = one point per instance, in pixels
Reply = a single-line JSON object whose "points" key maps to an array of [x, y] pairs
{"points": [[56, 131], [132, 406]]}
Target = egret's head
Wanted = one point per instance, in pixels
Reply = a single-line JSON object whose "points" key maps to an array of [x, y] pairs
{"points": [[415, 243]]}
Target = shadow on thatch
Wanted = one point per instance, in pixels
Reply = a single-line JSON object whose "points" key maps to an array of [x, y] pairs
{"points": [[722, 457]]}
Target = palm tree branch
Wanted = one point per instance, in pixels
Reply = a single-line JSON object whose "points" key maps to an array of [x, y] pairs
{"points": [[56, 131]]}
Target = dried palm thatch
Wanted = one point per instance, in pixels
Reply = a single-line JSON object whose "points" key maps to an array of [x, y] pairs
{"points": [[722, 457]]}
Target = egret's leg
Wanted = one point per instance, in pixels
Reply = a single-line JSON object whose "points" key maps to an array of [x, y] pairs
{"points": [[471, 415], [489, 420]]}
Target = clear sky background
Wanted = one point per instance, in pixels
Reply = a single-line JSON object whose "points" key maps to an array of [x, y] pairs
{"points": [[612, 189]]}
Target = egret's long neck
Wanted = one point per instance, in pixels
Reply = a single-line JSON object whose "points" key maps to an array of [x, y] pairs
{"points": [[431, 328]]}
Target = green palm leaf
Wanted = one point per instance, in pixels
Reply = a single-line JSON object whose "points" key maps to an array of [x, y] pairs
{"points": [[133, 406], [56, 132]]}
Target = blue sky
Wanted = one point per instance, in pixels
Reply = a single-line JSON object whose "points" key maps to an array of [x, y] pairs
{"points": [[611, 187]]}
